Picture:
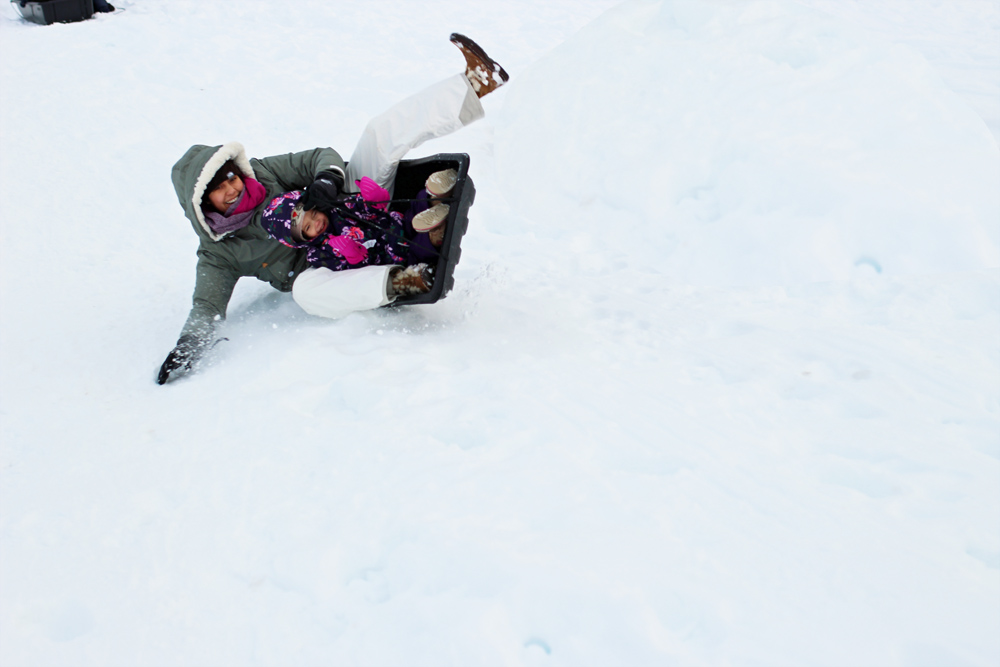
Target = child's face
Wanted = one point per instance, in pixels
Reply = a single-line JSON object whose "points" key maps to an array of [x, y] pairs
{"points": [[314, 223]]}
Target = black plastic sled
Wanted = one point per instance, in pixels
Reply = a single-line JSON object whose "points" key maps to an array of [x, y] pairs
{"points": [[410, 177]]}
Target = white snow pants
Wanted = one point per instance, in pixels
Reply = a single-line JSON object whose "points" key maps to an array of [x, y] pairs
{"points": [[336, 294], [438, 110]]}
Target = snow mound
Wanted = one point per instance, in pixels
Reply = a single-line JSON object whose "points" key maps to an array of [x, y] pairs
{"points": [[748, 143]]}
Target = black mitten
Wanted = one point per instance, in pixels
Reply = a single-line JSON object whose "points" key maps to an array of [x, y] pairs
{"points": [[188, 350], [322, 194]]}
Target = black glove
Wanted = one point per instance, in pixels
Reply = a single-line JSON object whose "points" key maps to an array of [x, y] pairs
{"points": [[322, 194], [188, 350]]}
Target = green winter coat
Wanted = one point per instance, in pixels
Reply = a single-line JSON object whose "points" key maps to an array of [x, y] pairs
{"points": [[224, 259]]}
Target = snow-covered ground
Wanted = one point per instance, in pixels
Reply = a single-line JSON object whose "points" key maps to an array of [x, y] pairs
{"points": [[719, 382]]}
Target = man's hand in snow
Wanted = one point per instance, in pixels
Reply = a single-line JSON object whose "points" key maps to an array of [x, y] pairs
{"points": [[180, 360]]}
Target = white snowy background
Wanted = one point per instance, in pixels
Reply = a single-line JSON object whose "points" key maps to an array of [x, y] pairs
{"points": [[718, 384]]}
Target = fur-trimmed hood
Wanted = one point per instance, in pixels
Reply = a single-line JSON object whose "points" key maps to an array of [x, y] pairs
{"points": [[192, 173]]}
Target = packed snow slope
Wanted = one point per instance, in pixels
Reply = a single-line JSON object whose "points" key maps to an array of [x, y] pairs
{"points": [[719, 382], [762, 126]]}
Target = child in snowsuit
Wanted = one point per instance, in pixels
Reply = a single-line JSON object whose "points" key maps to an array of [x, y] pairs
{"points": [[358, 231]]}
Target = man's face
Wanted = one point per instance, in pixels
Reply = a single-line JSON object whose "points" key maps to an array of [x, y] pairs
{"points": [[226, 194], [314, 223]]}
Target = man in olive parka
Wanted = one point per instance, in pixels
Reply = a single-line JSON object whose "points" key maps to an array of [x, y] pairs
{"points": [[223, 258]]}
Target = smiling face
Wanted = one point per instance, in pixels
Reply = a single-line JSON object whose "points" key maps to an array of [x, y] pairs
{"points": [[314, 223], [226, 194]]}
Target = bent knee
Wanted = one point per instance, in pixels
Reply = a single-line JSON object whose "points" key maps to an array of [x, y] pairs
{"points": [[336, 294]]}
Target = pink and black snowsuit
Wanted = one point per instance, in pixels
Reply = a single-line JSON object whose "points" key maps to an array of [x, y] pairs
{"points": [[388, 235]]}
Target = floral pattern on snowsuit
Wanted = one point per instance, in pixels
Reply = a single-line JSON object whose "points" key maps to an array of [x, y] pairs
{"points": [[386, 234]]}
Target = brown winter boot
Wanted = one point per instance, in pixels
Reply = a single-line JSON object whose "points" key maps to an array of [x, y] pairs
{"points": [[484, 73], [416, 279]]}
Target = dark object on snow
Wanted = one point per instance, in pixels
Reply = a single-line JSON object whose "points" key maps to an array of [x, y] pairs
{"points": [[103, 6], [410, 178], [45, 12], [322, 194]]}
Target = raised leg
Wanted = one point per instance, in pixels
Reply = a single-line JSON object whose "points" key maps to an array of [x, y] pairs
{"points": [[438, 110]]}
